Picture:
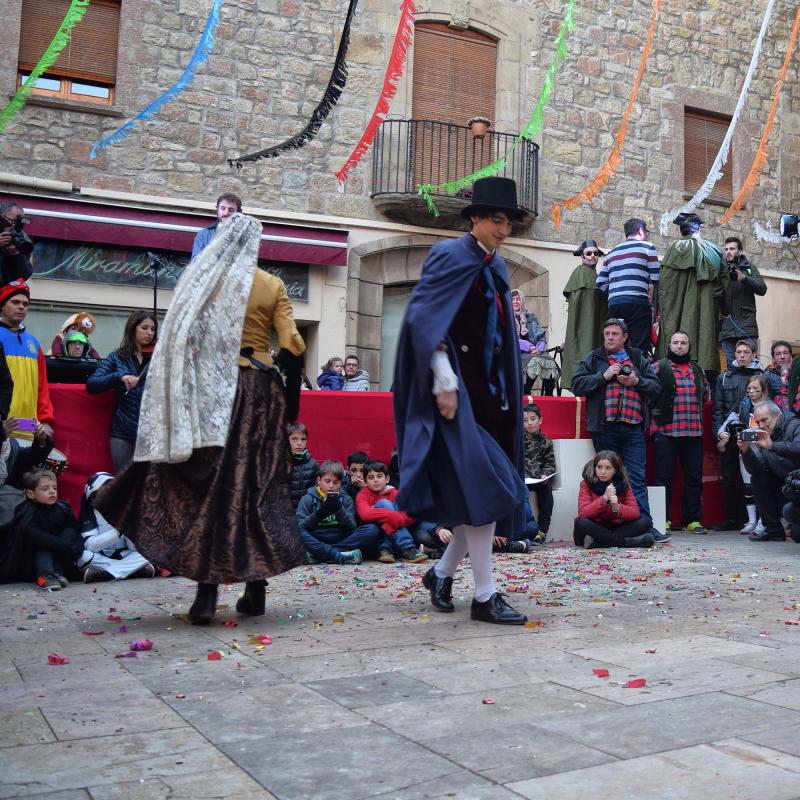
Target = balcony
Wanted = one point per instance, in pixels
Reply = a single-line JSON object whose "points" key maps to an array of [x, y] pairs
{"points": [[409, 152]]}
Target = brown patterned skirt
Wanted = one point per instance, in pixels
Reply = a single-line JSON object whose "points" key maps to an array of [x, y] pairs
{"points": [[226, 514]]}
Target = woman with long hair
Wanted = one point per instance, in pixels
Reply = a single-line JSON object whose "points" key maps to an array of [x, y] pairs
{"points": [[207, 495], [124, 371], [756, 391], [608, 514]]}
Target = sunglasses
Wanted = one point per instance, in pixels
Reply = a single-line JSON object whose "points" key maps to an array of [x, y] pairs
{"points": [[588, 253]]}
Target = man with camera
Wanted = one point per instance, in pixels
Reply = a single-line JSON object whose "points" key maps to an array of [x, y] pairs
{"points": [[745, 283], [15, 245], [616, 381], [769, 454]]}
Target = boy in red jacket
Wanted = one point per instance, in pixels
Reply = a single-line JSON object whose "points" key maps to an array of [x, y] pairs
{"points": [[375, 503]]}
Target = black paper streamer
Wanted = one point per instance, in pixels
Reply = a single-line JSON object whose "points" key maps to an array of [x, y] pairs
{"points": [[333, 91]]}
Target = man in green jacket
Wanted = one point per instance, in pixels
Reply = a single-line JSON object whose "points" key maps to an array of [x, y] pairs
{"points": [[693, 292], [745, 283]]}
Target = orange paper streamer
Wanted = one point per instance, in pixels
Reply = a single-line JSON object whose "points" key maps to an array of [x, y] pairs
{"points": [[602, 178], [760, 159]]}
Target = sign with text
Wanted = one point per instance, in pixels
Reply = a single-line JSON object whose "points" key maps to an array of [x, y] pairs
{"points": [[63, 261]]}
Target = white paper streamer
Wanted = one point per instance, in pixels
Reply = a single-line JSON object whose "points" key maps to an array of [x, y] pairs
{"points": [[767, 234], [716, 168]]}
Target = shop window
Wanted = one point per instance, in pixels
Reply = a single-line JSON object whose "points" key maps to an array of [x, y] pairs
{"points": [[86, 69], [703, 134], [395, 301]]}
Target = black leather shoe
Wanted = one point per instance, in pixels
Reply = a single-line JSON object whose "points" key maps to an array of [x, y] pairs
{"points": [[205, 604], [496, 610], [441, 590], [645, 540], [254, 600], [727, 525], [767, 537]]}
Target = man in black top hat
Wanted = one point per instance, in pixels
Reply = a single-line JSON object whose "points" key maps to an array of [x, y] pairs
{"points": [[457, 400], [587, 310]]}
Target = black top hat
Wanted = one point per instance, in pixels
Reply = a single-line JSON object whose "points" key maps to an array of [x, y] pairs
{"points": [[494, 194], [682, 219], [578, 251]]}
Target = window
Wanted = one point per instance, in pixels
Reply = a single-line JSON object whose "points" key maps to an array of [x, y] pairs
{"points": [[86, 70], [703, 134], [395, 301]]}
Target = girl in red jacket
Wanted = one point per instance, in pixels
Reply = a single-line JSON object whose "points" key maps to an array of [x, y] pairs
{"points": [[608, 514]]}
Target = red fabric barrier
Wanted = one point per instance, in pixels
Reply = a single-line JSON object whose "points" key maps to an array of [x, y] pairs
{"points": [[338, 423]]}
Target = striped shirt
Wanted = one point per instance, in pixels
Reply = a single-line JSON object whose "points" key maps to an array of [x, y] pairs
{"points": [[627, 272]]}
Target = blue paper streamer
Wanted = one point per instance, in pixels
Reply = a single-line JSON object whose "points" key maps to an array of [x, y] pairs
{"points": [[199, 56]]}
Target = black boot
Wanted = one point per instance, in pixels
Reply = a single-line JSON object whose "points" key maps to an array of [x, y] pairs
{"points": [[205, 604], [253, 601], [496, 610], [645, 540], [441, 590]]}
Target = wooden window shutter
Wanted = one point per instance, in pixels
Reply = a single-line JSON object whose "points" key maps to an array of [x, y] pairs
{"points": [[91, 54], [703, 134]]}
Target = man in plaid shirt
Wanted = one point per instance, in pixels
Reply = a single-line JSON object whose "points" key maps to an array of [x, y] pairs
{"points": [[618, 386], [677, 427]]}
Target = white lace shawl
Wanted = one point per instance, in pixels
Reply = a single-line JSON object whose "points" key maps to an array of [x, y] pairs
{"points": [[191, 380]]}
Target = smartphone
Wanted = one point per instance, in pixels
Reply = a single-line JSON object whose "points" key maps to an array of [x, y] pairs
{"points": [[26, 424], [750, 435]]}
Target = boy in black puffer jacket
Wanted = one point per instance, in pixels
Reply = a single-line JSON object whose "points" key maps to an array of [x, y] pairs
{"points": [[304, 467]]}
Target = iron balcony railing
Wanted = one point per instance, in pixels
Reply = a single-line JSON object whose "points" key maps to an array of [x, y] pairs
{"points": [[409, 152]]}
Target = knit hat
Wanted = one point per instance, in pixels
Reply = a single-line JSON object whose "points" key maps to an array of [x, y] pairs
{"points": [[10, 289]]}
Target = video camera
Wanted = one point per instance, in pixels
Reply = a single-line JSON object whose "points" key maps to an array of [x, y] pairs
{"points": [[19, 238]]}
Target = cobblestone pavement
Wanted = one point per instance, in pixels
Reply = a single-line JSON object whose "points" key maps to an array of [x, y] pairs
{"points": [[358, 689]]}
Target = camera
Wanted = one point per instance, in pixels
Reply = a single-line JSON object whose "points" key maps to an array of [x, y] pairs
{"points": [[734, 274], [735, 428], [625, 369], [19, 238], [750, 435]]}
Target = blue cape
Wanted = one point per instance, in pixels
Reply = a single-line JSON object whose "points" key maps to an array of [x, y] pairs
{"points": [[453, 471]]}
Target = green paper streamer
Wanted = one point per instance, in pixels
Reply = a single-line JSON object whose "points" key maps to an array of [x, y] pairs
{"points": [[531, 129], [73, 16]]}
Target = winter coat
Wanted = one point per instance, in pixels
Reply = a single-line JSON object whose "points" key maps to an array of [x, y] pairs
{"points": [[587, 313], [731, 389], [311, 516], [791, 486], [330, 380], [741, 321], [389, 520], [358, 383], [304, 475], [589, 382], [594, 507], [108, 377], [540, 458], [783, 457], [693, 291]]}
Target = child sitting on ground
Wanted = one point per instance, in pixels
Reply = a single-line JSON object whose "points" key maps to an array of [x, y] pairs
{"points": [[115, 556], [49, 530], [304, 467], [608, 514], [431, 538], [332, 377], [376, 504], [354, 477], [540, 462], [327, 521]]}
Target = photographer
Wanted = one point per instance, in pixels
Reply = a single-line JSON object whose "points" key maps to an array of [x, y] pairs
{"points": [[618, 388], [745, 283], [769, 454], [15, 245]]}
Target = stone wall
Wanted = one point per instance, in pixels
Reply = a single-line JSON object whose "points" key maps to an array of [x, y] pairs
{"points": [[271, 63]]}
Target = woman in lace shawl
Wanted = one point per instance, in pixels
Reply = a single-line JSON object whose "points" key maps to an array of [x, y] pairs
{"points": [[207, 496]]}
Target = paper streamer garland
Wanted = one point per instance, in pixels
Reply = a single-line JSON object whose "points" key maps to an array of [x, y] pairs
{"points": [[200, 55], [531, 129], [760, 159], [332, 94], [74, 15], [715, 173], [602, 178], [767, 234], [394, 71]]}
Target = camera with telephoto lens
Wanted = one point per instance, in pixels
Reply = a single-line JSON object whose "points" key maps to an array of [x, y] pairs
{"points": [[19, 238], [625, 369]]}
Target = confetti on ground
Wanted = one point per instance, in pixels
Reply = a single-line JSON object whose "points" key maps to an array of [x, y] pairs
{"points": [[55, 658], [215, 655], [180, 696], [601, 673], [488, 702], [637, 683], [142, 644]]}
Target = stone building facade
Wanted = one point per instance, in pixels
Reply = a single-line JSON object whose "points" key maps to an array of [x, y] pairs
{"points": [[270, 64]]}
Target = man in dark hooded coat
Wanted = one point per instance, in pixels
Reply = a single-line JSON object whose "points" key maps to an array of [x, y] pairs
{"points": [[587, 312], [457, 400]]}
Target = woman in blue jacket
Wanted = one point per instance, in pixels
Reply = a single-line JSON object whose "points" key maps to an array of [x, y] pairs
{"points": [[124, 371]]}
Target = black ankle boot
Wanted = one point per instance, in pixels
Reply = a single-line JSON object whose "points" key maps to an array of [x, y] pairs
{"points": [[441, 590], [496, 610], [253, 601], [645, 540], [205, 604]]}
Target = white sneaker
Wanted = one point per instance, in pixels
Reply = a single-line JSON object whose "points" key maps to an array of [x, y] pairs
{"points": [[760, 528], [749, 528]]}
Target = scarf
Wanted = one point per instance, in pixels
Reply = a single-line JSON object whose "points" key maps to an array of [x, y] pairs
{"points": [[193, 374], [521, 316], [599, 487], [676, 359]]}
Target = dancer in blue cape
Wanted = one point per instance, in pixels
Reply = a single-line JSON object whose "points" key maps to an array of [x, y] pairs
{"points": [[457, 400]]}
